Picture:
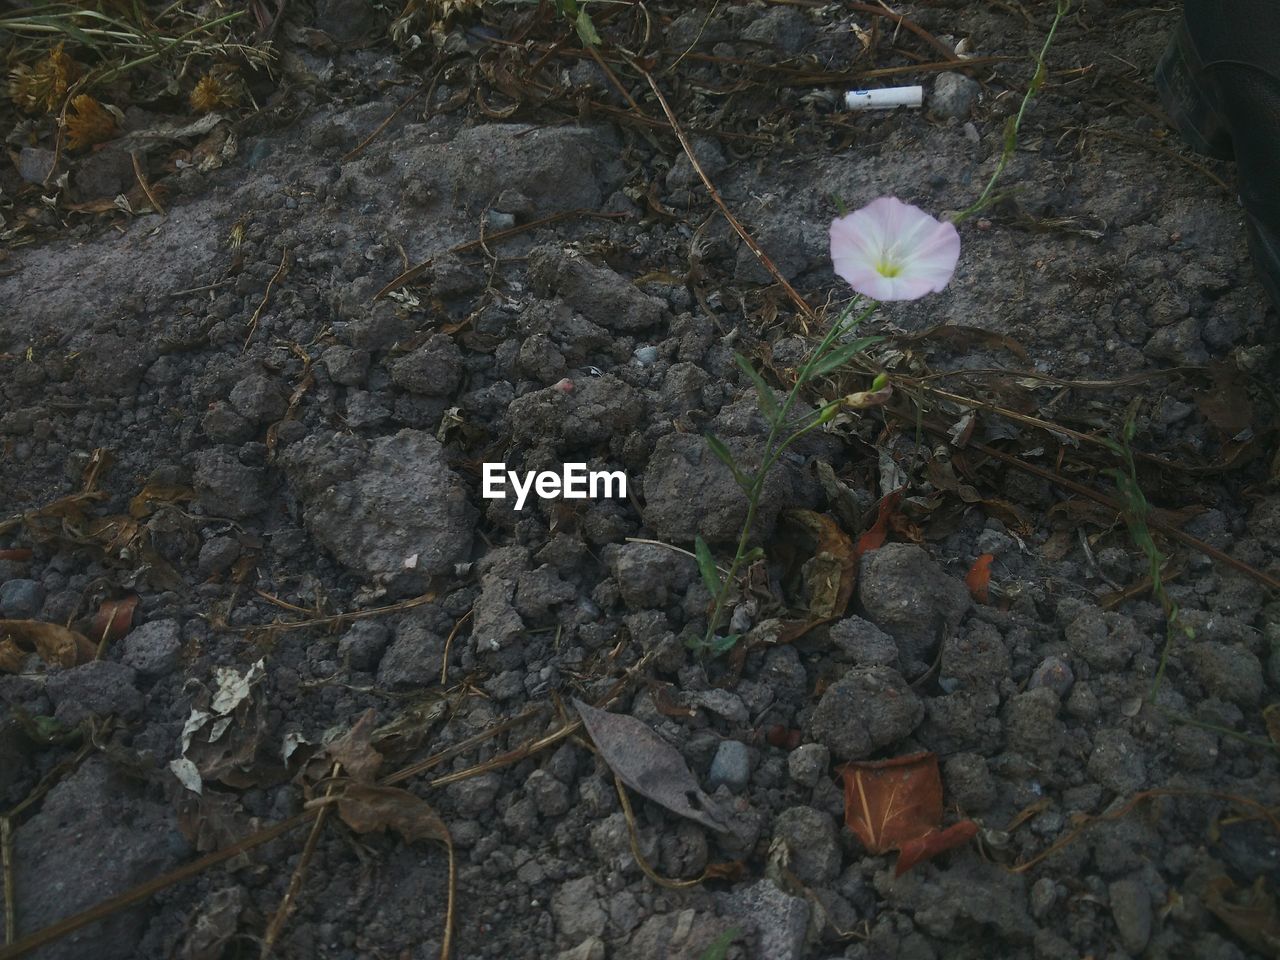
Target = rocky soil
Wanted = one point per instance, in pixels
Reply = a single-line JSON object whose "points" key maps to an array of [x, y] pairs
{"points": [[289, 467]]}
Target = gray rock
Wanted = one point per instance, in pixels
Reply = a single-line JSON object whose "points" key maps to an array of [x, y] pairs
{"points": [[96, 688], [954, 95], [786, 29], [1105, 641], [710, 157], [680, 935], [366, 410], [598, 409], [550, 796], [597, 292], [346, 21], [780, 920], [154, 648], [35, 163], [731, 766], [217, 555], [1054, 673], [390, 510], [863, 643], [1131, 911], [434, 369], [495, 624], [1227, 671], [866, 709], [591, 948], [415, 657], [362, 645], [976, 656], [689, 491], [21, 599], [259, 398], [1044, 894], [811, 837], [722, 703], [1032, 725], [650, 576], [226, 487], [537, 591], [222, 424], [577, 910], [910, 597], [969, 783], [808, 763], [475, 796], [95, 836], [346, 365], [1116, 761]]}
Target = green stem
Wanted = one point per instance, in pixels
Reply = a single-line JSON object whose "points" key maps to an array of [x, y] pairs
{"points": [[1011, 137]]}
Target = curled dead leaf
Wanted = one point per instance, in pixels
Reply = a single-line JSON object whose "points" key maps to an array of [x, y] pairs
{"points": [[978, 579], [56, 646], [897, 805], [649, 765], [114, 618]]}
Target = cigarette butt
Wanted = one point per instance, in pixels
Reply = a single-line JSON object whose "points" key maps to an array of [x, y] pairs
{"points": [[885, 98]]}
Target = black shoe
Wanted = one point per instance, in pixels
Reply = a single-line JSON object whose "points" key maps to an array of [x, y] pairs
{"points": [[1219, 80]]}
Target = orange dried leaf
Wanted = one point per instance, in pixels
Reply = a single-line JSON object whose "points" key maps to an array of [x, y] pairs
{"points": [[215, 90], [932, 844], [57, 646], [16, 554], [874, 538], [891, 802], [88, 122], [114, 618], [978, 579]]}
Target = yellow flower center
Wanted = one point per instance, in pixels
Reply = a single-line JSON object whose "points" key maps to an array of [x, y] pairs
{"points": [[887, 268]]}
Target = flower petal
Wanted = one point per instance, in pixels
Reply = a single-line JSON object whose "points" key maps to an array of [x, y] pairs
{"points": [[889, 236]]}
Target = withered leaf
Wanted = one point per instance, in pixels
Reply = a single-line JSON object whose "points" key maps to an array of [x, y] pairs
{"points": [[932, 844], [1251, 915], [365, 808], [57, 646], [649, 765], [144, 502], [897, 805], [978, 579], [874, 538], [354, 749], [1271, 717], [830, 575], [114, 618]]}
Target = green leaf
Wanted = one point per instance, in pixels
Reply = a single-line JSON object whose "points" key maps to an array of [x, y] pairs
{"points": [[719, 949], [586, 29], [722, 453], [707, 565], [843, 354], [768, 403], [722, 645]]}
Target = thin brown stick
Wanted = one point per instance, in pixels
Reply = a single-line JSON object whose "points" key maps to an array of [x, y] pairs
{"points": [[156, 205], [428, 89], [299, 872], [266, 295], [1161, 148], [408, 276], [448, 643], [738, 228], [339, 618], [143, 891], [1110, 503], [900, 20]]}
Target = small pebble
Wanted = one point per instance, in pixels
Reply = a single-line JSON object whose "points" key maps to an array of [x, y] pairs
{"points": [[730, 766], [646, 356], [807, 763], [21, 599], [1054, 673]]}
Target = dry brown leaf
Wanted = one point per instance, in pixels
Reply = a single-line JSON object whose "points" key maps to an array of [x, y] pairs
{"points": [[897, 805], [649, 765], [874, 538], [831, 574], [57, 646], [978, 579], [1251, 915], [367, 808], [114, 618], [354, 749]]}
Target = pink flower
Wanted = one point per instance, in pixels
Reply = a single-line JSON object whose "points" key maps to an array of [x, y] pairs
{"points": [[890, 250]]}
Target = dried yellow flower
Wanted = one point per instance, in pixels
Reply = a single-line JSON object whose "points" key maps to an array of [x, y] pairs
{"points": [[215, 90], [41, 86], [445, 9], [88, 122]]}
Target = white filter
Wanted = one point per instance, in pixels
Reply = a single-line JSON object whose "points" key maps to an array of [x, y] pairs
{"points": [[886, 98]]}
